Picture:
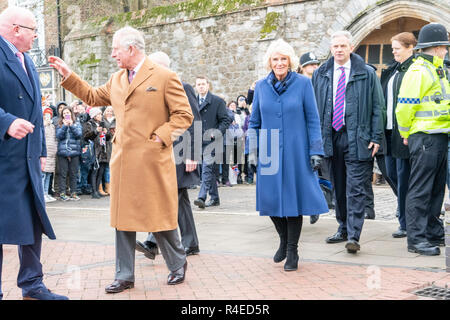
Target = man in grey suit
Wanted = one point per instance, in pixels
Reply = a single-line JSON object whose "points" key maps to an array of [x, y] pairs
{"points": [[187, 175]]}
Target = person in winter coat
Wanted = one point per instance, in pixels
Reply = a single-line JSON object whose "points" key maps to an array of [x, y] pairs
{"points": [[110, 125], [234, 144], [68, 133], [52, 148], [96, 131], [351, 111], [397, 157], [285, 118]]}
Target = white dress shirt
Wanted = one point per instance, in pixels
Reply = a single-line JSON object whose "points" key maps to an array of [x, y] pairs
{"points": [[336, 74], [390, 101]]}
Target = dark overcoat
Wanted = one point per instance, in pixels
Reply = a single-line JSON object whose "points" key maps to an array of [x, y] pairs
{"points": [[365, 111], [186, 142], [286, 186], [21, 191]]}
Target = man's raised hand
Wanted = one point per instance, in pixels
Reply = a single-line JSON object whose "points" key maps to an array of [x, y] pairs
{"points": [[60, 66]]}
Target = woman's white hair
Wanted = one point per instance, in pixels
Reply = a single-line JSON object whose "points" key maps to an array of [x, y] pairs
{"points": [[129, 36], [282, 47]]}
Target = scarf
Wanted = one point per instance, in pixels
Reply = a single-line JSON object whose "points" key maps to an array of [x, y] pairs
{"points": [[280, 86]]}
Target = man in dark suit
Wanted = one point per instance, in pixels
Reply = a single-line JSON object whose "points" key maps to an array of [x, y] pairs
{"points": [[23, 218], [215, 121], [351, 110], [187, 175]]}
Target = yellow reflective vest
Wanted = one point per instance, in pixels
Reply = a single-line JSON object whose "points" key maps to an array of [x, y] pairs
{"points": [[424, 99]]}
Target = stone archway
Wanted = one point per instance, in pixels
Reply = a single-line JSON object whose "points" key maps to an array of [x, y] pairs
{"points": [[363, 17]]}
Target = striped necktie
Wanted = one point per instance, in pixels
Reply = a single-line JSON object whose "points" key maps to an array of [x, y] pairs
{"points": [[338, 113]]}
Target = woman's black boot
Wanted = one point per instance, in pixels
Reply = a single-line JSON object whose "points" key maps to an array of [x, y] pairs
{"points": [[294, 228], [281, 227]]}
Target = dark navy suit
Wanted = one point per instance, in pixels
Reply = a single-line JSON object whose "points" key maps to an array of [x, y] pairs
{"points": [[23, 217]]}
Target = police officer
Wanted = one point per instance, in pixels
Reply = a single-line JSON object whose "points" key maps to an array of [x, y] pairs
{"points": [[308, 64], [423, 115]]}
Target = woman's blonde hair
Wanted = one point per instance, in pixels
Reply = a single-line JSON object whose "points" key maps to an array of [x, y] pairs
{"points": [[282, 47]]}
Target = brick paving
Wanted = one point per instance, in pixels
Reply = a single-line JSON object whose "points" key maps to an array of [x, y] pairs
{"points": [[235, 262], [82, 270]]}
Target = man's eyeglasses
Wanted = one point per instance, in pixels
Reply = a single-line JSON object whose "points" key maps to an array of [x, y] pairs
{"points": [[35, 30]]}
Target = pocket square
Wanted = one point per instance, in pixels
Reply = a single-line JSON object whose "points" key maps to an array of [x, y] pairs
{"points": [[151, 89]]}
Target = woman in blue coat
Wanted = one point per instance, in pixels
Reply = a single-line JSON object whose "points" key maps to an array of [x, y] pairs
{"points": [[285, 124]]}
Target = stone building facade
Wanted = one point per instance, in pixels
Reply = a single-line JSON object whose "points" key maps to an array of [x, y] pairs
{"points": [[226, 40]]}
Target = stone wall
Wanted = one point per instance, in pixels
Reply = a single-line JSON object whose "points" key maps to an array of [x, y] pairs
{"points": [[226, 40]]}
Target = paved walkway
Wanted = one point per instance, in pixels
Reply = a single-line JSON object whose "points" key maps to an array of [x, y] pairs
{"points": [[236, 257]]}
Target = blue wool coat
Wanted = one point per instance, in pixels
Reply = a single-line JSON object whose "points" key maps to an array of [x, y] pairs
{"points": [[286, 186], [21, 192]]}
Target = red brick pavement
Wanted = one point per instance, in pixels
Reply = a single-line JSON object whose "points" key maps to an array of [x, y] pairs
{"points": [[82, 270]]}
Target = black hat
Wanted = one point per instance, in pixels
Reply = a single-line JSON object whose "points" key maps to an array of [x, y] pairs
{"points": [[308, 58], [432, 35]]}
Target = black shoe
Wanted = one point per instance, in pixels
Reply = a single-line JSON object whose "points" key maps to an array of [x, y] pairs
{"points": [[96, 195], [177, 277], [192, 251], [200, 203], [369, 216], [313, 219], [212, 203], [119, 286], [424, 248], [352, 246], [438, 243], [149, 251], [399, 233], [337, 237]]}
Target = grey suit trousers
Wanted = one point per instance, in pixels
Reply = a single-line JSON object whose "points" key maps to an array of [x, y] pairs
{"points": [[168, 242], [186, 222]]}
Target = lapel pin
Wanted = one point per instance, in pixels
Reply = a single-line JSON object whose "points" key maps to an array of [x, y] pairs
{"points": [[151, 89]]}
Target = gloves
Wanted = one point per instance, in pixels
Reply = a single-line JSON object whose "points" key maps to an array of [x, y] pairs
{"points": [[315, 162]]}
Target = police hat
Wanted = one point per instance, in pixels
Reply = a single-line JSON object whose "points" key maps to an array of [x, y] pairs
{"points": [[308, 58], [432, 35]]}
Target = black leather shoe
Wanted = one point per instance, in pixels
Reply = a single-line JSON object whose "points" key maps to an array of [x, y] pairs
{"points": [[368, 216], [337, 237], [200, 203], [352, 246], [438, 243], [212, 203], [191, 251], [399, 233], [424, 248], [313, 219], [119, 286], [177, 277], [149, 251]]}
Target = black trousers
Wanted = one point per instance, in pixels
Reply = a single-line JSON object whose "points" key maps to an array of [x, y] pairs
{"points": [[428, 159], [68, 167], [350, 180]]}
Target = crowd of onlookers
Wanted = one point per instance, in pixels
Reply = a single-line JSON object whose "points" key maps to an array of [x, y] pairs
{"points": [[78, 139]]}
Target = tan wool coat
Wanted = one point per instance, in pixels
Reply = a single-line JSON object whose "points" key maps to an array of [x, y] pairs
{"points": [[144, 195]]}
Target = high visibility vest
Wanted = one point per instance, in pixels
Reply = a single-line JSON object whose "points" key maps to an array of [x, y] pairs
{"points": [[424, 99]]}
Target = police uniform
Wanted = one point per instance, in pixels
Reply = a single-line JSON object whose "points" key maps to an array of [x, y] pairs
{"points": [[423, 116]]}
